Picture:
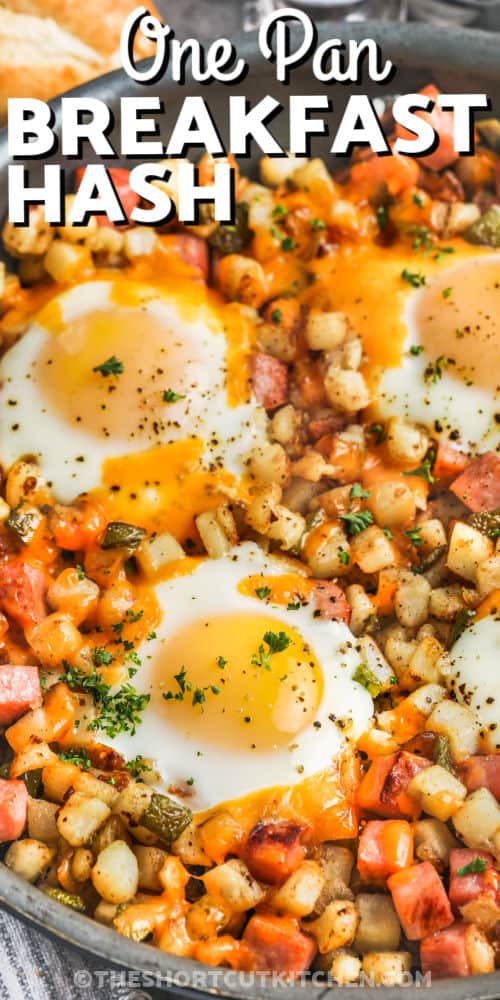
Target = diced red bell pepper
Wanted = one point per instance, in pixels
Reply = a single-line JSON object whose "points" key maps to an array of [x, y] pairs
{"points": [[385, 847], [274, 850], [449, 953], [121, 182], [482, 772], [331, 602], [383, 788], [13, 809], [479, 485], [420, 900], [19, 691], [22, 591], [270, 380], [278, 944], [449, 461], [464, 888], [443, 124]]}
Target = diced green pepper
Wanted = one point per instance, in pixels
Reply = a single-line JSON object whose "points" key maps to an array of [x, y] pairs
{"points": [[119, 535], [33, 782], [442, 752], [461, 622], [487, 521], [66, 898], [165, 818], [489, 130], [22, 522], [233, 239], [364, 676], [486, 231]]}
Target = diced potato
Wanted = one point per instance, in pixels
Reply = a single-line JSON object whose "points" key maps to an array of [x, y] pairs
{"points": [[284, 424], [216, 532], [468, 549], [157, 552], [387, 968], [406, 443], [269, 463], [189, 849], [326, 330], [243, 279], [277, 340], [438, 791], [87, 784], [434, 842], [432, 535], [274, 171], [483, 911], [150, 861], [412, 601], [347, 390], [488, 575], [392, 503], [287, 529], [336, 927], [113, 829], [398, 649], [327, 551], [139, 242], [460, 727], [446, 602], [461, 215], [80, 817], [299, 893], [362, 607], [480, 953], [233, 883], [263, 503], [478, 821], [336, 863], [34, 756], [25, 483], [42, 821], [206, 917], [35, 238], [372, 550], [425, 698], [379, 928], [115, 875], [81, 864], [57, 779], [345, 968], [374, 660], [424, 666], [66, 261], [29, 858]]}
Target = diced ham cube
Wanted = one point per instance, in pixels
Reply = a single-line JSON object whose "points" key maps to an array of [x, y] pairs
{"points": [[383, 787], [270, 380], [331, 602], [192, 250], [458, 951], [464, 888], [482, 772], [19, 690], [13, 809], [274, 850], [479, 485], [420, 900], [22, 591], [278, 945], [385, 847]]}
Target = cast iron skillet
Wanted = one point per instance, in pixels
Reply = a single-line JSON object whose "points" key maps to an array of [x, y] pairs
{"points": [[458, 61]]}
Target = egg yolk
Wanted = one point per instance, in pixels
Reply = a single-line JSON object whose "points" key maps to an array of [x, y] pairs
{"points": [[238, 680], [457, 319]]}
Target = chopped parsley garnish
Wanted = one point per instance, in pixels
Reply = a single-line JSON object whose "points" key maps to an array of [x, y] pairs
{"points": [[416, 349], [137, 766], [293, 606], [221, 662], [280, 211], [417, 199], [78, 757], [425, 470], [434, 372], [357, 491], [474, 866], [169, 396], [382, 216], [118, 712], [344, 556], [150, 636], [263, 592], [422, 239], [414, 278], [185, 687], [378, 432], [447, 292], [317, 225], [276, 642], [288, 244], [101, 657], [110, 367], [355, 523], [276, 316], [80, 572], [414, 536], [387, 533]]}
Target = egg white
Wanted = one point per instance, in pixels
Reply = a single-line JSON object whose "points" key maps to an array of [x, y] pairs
{"points": [[474, 677], [69, 455], [213, 775], [448, 404]]}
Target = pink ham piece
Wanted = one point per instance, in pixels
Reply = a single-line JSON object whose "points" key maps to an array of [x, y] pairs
{"points": [[13, 809], [464, 888], [449, 953], [420, 900], [482, 772], [22, 592], [19, 691], [331, 602], [270, 380], [478, 487]]}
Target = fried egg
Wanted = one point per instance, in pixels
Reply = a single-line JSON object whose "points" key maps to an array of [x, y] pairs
{"points": [[249, 688], [474, 679], [113, 370], [430, 326]]}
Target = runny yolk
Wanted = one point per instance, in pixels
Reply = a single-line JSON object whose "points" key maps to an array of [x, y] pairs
{"points": [[226, 686]]}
